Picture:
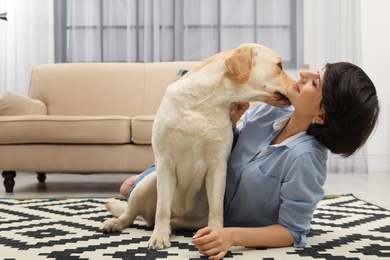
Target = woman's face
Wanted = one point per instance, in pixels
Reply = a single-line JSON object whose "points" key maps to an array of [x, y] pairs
{"points": [[306, 94]]}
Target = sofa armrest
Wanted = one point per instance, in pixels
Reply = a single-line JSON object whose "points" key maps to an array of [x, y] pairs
{"points": [[12, 104]]}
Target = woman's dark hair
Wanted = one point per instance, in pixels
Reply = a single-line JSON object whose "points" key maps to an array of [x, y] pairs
{"points": [[351, 109]]}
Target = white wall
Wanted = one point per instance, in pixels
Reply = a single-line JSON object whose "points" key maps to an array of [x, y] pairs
{"points": [[376, 56]]}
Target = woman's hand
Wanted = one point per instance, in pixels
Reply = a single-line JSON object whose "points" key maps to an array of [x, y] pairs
{"points": [[213, 242], [237, 109]]}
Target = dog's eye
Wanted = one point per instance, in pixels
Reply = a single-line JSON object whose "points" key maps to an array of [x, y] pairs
{"points": [[280, 65]]}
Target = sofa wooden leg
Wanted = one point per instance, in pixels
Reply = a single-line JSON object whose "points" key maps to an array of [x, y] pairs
{"points": [[41, 177], [9, 180]]}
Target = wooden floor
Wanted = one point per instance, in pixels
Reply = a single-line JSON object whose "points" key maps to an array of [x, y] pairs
{"points": [[373, 187]]}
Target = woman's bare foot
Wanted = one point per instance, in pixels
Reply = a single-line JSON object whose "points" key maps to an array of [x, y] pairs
{"points": [[127, 185]]}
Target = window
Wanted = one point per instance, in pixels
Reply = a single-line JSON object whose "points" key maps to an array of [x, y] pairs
{"points": [[167, 30]]}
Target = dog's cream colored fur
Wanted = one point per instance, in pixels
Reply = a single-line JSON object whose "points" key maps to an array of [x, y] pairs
{"points": [[192, 139]]}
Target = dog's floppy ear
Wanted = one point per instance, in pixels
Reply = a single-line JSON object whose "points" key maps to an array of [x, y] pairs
{"points": [[240, 62]]}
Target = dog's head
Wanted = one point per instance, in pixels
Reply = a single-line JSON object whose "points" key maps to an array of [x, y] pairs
{"points": [[260, 69]]}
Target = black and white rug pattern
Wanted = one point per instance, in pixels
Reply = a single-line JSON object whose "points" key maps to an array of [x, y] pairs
{"points": [[343, 228]]}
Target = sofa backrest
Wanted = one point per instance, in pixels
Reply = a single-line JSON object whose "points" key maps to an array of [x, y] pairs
{"points": [[91, 89]]}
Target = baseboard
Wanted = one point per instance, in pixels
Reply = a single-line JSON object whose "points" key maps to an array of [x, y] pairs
{"points": [[378, 163]]}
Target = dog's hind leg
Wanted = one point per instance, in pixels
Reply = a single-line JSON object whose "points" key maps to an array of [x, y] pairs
{"points": [[116, 208], [142, 201]]}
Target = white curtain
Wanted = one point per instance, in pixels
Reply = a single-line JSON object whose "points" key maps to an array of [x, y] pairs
{"points": [[25, 41], [164, 30], [332, 33]]}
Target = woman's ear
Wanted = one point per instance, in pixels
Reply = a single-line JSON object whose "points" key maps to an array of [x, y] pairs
{"points": [[320, 119]]}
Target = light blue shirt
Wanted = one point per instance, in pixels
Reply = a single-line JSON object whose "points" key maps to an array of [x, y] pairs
{"points": [[270, 184]]}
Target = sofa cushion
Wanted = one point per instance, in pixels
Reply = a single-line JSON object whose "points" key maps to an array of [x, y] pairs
{"points": [[103, 89], [12, 104], [65, 129], [141, 129], [89, 89]]}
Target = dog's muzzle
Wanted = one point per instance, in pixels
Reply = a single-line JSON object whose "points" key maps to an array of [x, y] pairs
{"points": [[283, 99]]}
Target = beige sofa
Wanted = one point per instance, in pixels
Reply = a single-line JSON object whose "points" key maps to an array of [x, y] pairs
{"points": [[83, 118]]}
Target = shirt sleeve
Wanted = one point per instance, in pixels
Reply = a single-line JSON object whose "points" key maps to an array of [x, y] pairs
{"points": [[248, 114], [300, 192]]}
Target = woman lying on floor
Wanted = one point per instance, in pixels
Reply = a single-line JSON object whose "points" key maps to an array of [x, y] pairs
{"points": [[277, 167]]}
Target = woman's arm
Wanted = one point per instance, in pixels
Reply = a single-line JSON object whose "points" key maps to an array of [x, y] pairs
{"points": [[216, 241], [236, 111]]}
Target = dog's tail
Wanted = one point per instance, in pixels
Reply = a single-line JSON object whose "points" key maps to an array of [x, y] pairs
{"points": [[116, 208]]}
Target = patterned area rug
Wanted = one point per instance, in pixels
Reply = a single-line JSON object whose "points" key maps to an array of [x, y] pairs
{"points": [[343, 228]]}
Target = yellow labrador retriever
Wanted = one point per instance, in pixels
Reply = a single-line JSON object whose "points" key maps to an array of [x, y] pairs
{"points": [[192, 139]]}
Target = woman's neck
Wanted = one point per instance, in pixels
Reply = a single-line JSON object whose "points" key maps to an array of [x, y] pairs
{"points": [[294, 126]]}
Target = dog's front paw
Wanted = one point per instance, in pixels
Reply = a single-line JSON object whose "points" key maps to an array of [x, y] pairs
{"points": [[112, 225], [158, 242]]}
